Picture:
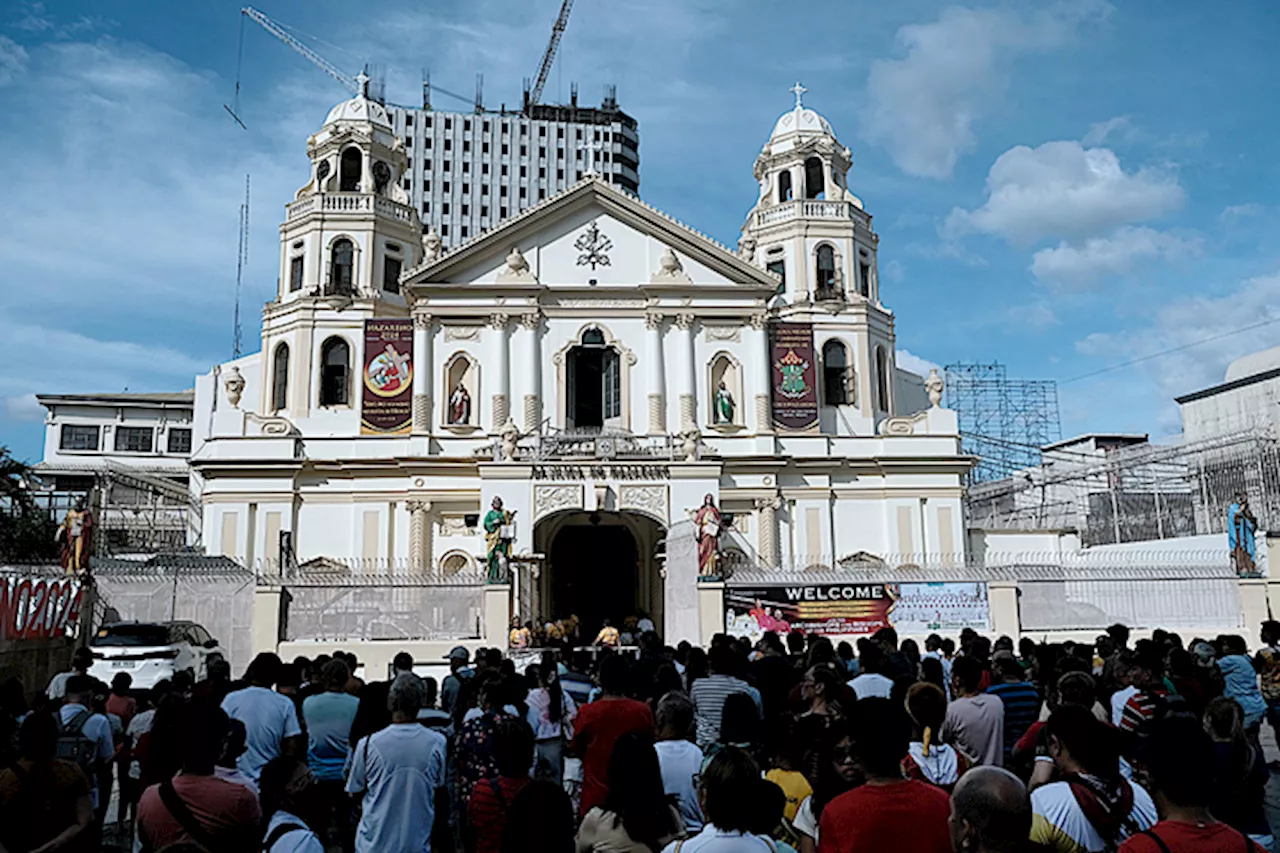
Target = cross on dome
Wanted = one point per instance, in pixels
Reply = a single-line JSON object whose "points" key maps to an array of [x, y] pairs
{"points": [[798, 91], [362, 82]]}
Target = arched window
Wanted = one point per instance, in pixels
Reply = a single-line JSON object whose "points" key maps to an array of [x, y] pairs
{"points": [[335, 361], [864, 276], [837, 375], [882, 380], [784, 185], [814, 184], [349, 171], [826, 273], [342, 266], [280, 378]]}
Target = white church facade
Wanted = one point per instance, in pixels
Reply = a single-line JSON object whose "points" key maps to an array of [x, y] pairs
{"points": [[597, 365]]}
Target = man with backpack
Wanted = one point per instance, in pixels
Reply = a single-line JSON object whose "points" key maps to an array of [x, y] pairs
{"points": [[84, 738]]}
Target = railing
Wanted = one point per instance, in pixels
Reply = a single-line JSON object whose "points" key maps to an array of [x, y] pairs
{"points": [[807, 208], [359, 572], [349, 203], [587, 443]]}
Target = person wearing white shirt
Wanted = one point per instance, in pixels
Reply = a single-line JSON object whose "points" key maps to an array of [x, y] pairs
{"points": [[730, 803], [679, 760], [398, 771], [270, 719], [95, 727], [81, 660], [550, 715]]}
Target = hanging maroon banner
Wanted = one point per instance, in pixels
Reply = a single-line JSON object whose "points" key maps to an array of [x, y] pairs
{"points": [[387, 399], [794, 376]]}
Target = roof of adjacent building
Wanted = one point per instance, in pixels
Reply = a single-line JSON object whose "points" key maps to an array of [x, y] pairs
{"points": [[124, 398], [1098, 438], [1231, 384]]}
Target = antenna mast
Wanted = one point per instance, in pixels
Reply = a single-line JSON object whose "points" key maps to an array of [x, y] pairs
{"points": [[242, 260]]}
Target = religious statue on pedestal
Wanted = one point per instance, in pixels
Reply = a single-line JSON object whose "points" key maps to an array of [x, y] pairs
{"points": [[75, 537], [708, 525], [499, 533], [460, 406], [724, 405], [1241, 527]]}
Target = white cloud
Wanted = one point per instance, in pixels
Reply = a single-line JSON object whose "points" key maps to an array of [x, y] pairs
{"points": [[923, 105], [1064, 190], [908, 360], [1081, 265], [1120, 128], [13, 60], [1240, 211], [1206, 326], [1035, 316], [23, 407]]}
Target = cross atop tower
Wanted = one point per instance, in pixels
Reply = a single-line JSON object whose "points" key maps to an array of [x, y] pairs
{"points": [[590, 146], [799, 91], [362, 80]]}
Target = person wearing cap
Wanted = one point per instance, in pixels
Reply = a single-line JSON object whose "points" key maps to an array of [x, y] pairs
{"points": [[459, 671]]}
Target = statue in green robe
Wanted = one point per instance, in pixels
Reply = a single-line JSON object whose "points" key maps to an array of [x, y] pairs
{"points": [[498, 535], [724, 405]]}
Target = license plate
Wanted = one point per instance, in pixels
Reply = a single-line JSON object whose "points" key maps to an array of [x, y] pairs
{"points": [[122, 664]]}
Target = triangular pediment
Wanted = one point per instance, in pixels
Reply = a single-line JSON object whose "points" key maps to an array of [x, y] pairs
{"points": [[593, 236]]}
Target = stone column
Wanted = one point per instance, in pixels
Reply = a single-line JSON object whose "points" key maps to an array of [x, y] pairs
{"points": [[657, 375], [423, 368], [686, 377], [501, 373], [767, 515], [532, 368], [761, 372], [419, 535]]}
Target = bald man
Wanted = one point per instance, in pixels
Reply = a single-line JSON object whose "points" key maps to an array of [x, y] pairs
{"points": [[990, 812]]}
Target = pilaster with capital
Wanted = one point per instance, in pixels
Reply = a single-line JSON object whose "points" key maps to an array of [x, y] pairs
{"points": [[501, 397], [419, 535], [761, 372], [687, 375], [656, 374], [531, 364], [767, 544], [423, 367]]}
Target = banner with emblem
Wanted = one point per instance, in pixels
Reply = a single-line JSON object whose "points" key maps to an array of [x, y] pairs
{"points": [[794, 376], [387, 378]]}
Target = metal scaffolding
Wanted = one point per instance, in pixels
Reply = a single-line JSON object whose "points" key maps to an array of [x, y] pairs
{"points": [[1003, 421]]}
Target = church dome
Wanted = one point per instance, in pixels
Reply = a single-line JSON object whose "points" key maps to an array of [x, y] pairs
{"points": [[360, 108], [801, 120]]}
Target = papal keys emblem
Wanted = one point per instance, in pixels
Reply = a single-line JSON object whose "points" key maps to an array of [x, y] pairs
{"points": [[792, 368]]}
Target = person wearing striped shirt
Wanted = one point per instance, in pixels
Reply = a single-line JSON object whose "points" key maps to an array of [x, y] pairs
{"points": [[709, 695], [1020, 699]]}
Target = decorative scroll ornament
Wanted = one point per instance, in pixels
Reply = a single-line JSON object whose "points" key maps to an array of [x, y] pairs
{"points": [[593, 247]]}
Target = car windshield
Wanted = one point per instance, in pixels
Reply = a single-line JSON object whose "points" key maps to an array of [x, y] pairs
{"points": [[132, 635]]}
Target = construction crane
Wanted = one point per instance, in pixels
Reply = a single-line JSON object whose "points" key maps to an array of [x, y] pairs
{"points": [[548, 58], [279, 31]]}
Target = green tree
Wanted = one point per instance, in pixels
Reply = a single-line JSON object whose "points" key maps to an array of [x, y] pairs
{"points": [[26, 530]]}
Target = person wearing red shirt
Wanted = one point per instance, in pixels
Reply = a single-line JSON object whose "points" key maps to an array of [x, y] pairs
{"points": [[599, 725], [1178, 758], [888, 812], [491, 798]]}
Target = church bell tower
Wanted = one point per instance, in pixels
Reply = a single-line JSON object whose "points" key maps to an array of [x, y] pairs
{"points": [[347, 237], [810, 230]]}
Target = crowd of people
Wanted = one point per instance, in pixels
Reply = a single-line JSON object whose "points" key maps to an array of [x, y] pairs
{"points": [[791, 745]]}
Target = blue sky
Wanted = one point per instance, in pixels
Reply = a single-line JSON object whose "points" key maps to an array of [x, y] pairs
{"points": [[1058, 186]]}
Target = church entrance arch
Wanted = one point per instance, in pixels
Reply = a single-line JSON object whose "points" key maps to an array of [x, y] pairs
{"points": [[600, 565]]}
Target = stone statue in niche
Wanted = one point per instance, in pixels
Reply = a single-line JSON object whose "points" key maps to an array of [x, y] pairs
{"points": [[724, 405], [460, 406]]}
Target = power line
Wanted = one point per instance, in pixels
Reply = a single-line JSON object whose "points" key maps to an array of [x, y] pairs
{"points": [[1170, 351]]}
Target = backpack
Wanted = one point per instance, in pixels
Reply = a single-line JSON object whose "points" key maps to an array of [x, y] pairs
{"points": [[74, 746]]}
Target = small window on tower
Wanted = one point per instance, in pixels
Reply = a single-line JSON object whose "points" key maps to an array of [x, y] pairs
{"points": [[342, 266], [784, 186], [349, 169], [296, 265], [391, 274], [814, 186], [864, 278]]}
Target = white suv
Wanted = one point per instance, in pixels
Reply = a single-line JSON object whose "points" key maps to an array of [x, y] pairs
{"points": [[151, 651]]}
